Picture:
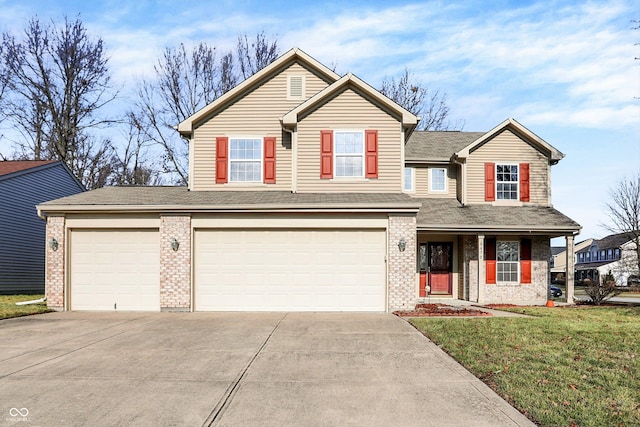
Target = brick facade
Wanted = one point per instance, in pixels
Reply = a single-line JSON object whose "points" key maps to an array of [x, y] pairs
{"points": [[175, 265], [54, 274], [402, 265]]}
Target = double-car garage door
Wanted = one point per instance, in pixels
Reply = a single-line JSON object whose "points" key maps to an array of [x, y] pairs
{"points": [[235, 270]]}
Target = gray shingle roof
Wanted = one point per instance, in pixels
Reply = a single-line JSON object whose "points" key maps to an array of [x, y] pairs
{"points": [[181, 197], [437, 145], [449, 214]]}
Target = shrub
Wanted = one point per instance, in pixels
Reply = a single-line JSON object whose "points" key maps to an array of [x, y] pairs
{"points": [[600, 291]]}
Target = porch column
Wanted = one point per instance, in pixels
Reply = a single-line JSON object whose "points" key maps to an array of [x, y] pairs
{"points": [[570, 263], [482, 277]]}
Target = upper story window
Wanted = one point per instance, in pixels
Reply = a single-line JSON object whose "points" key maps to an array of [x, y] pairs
{"points": [[507, 182], [438, 179], [610, 254], [508, 260], [245, 160], [581, 257], [595, 255], [617, 253], [588, 254], [349, 154], [603, 255], [409, 179], [295, 86]]}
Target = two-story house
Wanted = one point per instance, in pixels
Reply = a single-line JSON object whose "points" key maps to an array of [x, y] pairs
{"points": [[613, 254], [310, 191]]}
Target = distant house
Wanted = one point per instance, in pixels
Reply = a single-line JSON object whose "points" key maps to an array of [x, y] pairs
{"points": [[23, 185], [613, 254], [558, 264]]}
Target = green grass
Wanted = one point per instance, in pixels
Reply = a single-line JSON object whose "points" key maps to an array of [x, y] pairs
{"points": [[8, 307], [564, 367]]}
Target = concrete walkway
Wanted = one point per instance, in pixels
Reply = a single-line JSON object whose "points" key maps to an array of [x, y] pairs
{"points": [[236, 369]]}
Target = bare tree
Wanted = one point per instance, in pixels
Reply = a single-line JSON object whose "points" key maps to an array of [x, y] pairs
{"points": [[623, 209], [254, 56], [186, 80], [58, 81], [431, 106], [132, 163]]}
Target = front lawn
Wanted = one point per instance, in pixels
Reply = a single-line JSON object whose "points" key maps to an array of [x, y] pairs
{"points": [[564, 367], [8, 307]]}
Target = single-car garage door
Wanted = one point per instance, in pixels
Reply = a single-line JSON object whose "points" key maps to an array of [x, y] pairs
{"points": [[115, 269], [290, 270]]}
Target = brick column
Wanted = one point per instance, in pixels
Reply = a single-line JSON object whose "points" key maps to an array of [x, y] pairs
{"points": [[401, 264], [54, 259], [175, 265]]}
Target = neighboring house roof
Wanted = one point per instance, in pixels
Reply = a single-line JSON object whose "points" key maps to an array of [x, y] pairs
{"points": [[437, 145], [181, 199], [450, 215], [511, 124], [11, 166], [612, 241], [592, 265], [556, 250], [186, 127], [409, 120]]}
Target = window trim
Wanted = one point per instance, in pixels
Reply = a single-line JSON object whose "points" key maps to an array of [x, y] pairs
{"points": [[517, 262], [517, 183], [436, 191], [336, 155], [261, 159], [413, 179]]}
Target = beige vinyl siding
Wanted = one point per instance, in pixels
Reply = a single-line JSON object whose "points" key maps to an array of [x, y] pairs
{"points": [[350, 111], [422, 181], [508, 148], [255, 115]]}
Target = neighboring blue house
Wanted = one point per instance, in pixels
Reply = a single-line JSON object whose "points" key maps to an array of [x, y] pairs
{"points": [[23, 185]]}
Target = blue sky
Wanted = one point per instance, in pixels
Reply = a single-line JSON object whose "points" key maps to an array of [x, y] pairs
{"points": [[565, 69]]}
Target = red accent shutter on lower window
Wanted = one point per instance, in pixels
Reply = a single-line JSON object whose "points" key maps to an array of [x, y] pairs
{"points": [[222, 157], [269, 160], [371, 154], [525, 261], [489, 182], [524, 182], [326, 154], [490, 256]]}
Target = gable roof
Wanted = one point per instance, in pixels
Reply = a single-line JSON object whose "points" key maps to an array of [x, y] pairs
{"points": [[612, 241], [409, 120], [511, 124], [437, 145], [11, 166], [186, 127]]}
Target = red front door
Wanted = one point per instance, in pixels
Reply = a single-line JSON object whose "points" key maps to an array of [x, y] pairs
{"points": [[440, 261]]}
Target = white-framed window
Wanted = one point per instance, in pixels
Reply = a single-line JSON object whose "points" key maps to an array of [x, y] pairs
{"points": [[295, 86], [507, 261], [349, 154], [603, 255], [610, 254], [580, 257], [588, 254], [409, 179], [617, 253], [507, 182], [245, 159], [437, 180]]}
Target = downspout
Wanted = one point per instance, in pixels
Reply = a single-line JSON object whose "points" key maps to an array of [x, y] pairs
{"points": [[463, 177], [294, 158]]}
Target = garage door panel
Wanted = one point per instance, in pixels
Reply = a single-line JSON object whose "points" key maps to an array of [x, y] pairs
{"points": [[115, 269], [279, 270]]}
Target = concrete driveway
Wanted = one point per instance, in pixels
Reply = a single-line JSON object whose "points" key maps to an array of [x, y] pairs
{"points": [[193, 369]]}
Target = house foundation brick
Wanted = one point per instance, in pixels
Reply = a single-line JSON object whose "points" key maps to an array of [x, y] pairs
{"points": [[401, 264], [175, 265], [54, 259]]}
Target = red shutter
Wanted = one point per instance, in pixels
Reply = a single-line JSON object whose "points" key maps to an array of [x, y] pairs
{"points": [[222, 157], [490, 256], [269, 160], [326, 154], [371, 153], [525, 261], [524, 182], [489, 182]]}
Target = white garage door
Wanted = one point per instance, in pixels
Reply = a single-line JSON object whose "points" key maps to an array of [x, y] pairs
{"points": [[290, 270], [115, 269]]}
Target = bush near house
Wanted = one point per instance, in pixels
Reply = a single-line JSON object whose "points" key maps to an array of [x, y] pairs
{"points": [[601, 290]]}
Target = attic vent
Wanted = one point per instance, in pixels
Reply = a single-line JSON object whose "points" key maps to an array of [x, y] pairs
{"points": [[296, 87]]}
